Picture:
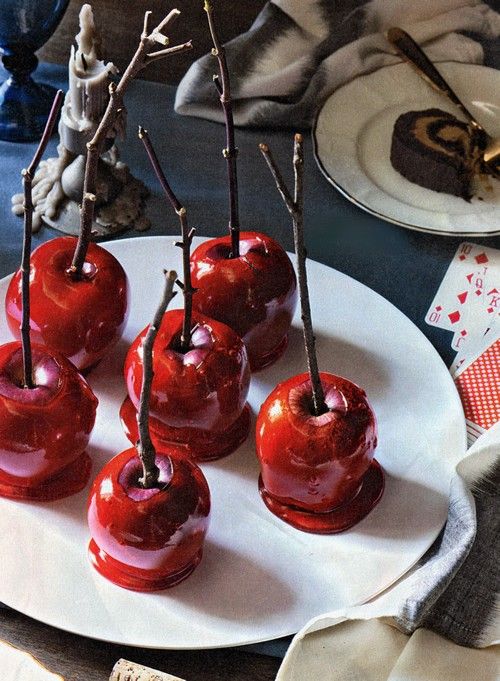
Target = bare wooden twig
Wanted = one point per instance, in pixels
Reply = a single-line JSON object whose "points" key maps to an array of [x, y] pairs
{"points": [[230, 152], [28, 175], [295, 207], [185, 244], [144, 55], [145, 447]]}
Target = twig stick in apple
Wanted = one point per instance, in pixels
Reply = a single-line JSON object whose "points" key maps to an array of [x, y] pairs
{"points": [[28, 175], [144, 55], [145, 447], [230, 152], [185, 244], [295, 207]]}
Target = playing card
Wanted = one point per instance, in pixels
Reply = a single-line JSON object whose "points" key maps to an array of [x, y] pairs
{"points": [[464, 277], [474, 344], [469, 295], [481, 310], [478, 384]]}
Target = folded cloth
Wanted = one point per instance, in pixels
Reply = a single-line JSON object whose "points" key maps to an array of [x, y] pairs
{"points": [[299, 51], [374, 651], [451, 593]]}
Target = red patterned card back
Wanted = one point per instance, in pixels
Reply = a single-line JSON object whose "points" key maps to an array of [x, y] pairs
{"points": [[479, 388]]}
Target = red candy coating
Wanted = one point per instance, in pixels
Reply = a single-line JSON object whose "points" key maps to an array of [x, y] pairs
{"points": [[313, 466], [199, 445], [254, 294], [44, 430], [198, 397], [148, 539], [80, 319]]}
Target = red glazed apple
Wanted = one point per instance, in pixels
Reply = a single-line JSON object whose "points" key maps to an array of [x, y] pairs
{"points": [[80, 318], [316, 433], [47, 410], [245, 279], [44, 430], [255, 294], [199, 396], [148, 510], [148, 539], [318, 472]]}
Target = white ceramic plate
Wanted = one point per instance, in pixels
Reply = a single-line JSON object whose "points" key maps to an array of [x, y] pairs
{"points": [[259, 578], [352, 141]]}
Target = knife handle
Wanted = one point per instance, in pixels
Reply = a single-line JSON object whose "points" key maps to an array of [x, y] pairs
{"points": [[411, 52]]}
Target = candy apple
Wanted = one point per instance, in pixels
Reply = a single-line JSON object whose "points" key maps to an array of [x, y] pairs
{"points": [[83, 317], [318, 471], [80, 300], [45, 429], [201, 370], [148, 538], [199, 395], [245, 279], [255, 293], [148, 509], [47, 410], [316, 432]]}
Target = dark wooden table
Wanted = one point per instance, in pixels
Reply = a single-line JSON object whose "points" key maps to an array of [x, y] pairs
{"points": [[80, 659]]}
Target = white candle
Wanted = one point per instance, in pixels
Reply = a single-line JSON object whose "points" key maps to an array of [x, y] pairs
{"points": [[89, 76]]}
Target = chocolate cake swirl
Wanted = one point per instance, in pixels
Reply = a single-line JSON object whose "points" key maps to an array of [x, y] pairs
{"points": [[436, 150]]}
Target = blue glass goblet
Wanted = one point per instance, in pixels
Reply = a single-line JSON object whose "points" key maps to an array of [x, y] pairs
{"points": [[25, 25]]}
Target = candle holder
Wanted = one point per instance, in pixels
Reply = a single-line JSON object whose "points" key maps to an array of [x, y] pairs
{"points": [[25, 25], [59, 181]]}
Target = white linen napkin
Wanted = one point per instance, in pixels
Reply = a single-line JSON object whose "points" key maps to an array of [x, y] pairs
{"points": [[374, 651], [400, 636], [297, 52], [17, 665]]}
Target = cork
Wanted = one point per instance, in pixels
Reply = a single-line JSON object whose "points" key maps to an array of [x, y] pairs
{"points": [[124, 670]]}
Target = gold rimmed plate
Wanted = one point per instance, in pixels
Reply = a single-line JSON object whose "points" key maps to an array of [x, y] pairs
{"points": [[352, 139]]}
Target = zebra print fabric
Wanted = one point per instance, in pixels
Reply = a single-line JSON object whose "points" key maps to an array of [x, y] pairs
{"points": [[299, 51]]}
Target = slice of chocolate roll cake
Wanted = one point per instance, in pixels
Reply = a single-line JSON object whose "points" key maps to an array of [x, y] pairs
{"points": [[436, 150]]}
